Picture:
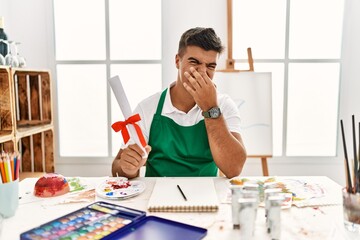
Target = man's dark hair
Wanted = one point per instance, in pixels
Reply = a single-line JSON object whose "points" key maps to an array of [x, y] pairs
{"points": [[204, 38]]}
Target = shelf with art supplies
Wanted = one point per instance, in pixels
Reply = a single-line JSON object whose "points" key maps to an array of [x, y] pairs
{"points": [[12, 58], [6, 105], [34, 130], [33, 99], [26, 117], [7, 144], [351, 192], [9, 183], [37, 150]]}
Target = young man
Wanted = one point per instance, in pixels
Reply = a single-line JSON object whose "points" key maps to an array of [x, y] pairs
{"points": [[191, 129]]}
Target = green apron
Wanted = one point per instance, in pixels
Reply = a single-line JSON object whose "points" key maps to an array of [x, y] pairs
{"points": [[178, 150]]}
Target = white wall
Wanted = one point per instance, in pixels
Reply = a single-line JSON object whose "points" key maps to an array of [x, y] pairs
{"points": [[350, 87], [30, 22]]}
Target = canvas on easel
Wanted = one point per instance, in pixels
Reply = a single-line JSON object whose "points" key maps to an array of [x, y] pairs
{"points": [[251, 92]]}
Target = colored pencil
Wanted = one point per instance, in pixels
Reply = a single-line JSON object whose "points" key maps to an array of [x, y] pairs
{"points": [[1, 175], [13, 156], [17, 167], [2, 171], [7, 170], [9, 167], [11, 160]]}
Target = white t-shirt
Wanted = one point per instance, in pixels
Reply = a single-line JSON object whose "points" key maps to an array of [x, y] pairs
{"points": [[148, 106]]}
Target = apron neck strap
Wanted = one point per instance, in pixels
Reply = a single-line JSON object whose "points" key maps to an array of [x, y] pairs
{"points": [[161, 102]]}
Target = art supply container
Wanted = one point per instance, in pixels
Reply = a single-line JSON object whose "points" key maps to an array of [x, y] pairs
{"points": [[268, 193], [247, 217], [267, 185], [255, 188], [351, 208], [236, 193], [9, 198], [274, 216], [251, 186]]}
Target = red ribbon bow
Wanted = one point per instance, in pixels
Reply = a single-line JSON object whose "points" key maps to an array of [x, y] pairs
{"points": [[121, 126]]}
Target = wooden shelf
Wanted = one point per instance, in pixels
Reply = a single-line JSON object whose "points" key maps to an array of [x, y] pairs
{"points": [[26, 117], [6, 103], [27, 131], [6, 136]]}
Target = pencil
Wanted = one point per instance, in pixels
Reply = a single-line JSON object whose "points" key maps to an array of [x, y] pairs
{"points": [[7, 170], [17, 170], [13, 156], [3, 177], [182, 193], [12, 169]]}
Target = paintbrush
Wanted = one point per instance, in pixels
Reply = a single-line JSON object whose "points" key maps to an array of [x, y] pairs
{"points": [[356, 175], [358, 171], [349, 185]]}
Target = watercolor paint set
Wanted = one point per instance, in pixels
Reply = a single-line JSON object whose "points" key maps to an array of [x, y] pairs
{"points": [[102, 220]]}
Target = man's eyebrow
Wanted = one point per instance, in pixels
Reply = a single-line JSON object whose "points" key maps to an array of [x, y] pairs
{"points": [[207, 64], [193, 59]]}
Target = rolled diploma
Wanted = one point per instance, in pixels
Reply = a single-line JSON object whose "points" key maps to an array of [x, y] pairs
{"points": [[123, 102]]}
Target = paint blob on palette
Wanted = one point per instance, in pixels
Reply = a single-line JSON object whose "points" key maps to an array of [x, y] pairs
{"points": [[119, 188]]}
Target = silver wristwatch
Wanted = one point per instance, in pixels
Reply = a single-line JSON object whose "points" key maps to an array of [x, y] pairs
{"points": [[213, 112]]}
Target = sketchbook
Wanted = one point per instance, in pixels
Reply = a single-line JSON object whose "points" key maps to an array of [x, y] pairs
{"points": [[200, 195]]}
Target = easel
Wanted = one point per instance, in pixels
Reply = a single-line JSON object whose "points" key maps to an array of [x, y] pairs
{"points": [[230, 67]]}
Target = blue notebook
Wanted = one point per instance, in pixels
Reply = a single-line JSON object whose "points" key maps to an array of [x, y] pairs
{"points": [[102, 220]]}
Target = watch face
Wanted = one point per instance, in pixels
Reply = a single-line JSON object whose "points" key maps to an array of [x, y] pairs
{"points": [[214, 112]]}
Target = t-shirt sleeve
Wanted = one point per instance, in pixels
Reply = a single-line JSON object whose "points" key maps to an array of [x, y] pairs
{"points": [[231, 114]]}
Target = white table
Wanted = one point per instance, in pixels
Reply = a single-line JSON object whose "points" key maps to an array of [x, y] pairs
{"points": [[297, 223]]}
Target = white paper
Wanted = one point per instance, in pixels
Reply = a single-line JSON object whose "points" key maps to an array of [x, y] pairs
{"points": [[119, 92]]}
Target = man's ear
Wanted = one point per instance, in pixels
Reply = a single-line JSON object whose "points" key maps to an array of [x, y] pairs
{"points": [[177, 61]]}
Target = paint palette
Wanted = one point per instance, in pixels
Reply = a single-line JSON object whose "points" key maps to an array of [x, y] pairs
{"points": [[95, 221], [119, 188]]}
